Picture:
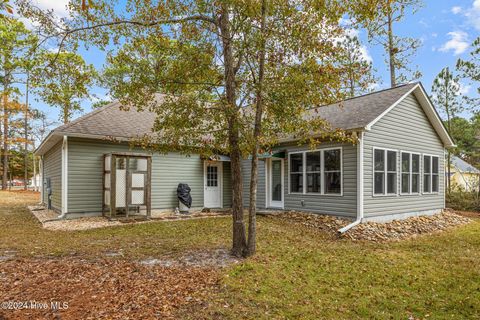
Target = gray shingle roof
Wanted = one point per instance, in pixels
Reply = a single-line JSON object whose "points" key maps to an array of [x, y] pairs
{"points": [[463, 166], [358, 112], [111, 121]]}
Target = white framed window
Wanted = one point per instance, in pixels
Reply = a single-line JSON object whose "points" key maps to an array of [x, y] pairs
{"points": [[316, 172], [332, 171], [409, 173], [385, 172], [295, 165], [430, 173]]}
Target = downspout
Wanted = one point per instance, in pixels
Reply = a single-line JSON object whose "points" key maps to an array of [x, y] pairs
{"points": [[359, 186], [64, 180], [40, 169]]}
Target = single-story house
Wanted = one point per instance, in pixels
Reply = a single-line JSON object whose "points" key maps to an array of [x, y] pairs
{"points": [[395, 170], [463, 175]]}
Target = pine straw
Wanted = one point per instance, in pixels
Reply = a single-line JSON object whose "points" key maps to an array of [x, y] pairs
{"points": [[102, 289]]}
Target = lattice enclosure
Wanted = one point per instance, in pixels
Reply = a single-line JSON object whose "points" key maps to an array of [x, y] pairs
{"points": [[131, 178]]}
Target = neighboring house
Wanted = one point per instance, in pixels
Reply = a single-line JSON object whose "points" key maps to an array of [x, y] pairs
{"points": [[463, 175], [394, 171]]}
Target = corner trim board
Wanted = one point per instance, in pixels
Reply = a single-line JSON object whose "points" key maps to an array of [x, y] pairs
{"points": [[65, 175]]}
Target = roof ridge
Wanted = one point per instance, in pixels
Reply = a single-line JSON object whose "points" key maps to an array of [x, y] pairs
{"points": [[367, 94], [86, 116]]}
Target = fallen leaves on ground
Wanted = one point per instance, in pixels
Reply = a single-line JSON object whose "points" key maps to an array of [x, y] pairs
{"points": [[102, 289]]}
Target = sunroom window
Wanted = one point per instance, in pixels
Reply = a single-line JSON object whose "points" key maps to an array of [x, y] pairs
{"points": [[321, 174], [296, 172], [410, 178], [430, 174], [385, 172], [332, 171]]}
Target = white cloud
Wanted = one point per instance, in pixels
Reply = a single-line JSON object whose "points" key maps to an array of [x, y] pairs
{"points": [[58, 6], [456, 9], [458, 42], [473, 14], [464, 89]]}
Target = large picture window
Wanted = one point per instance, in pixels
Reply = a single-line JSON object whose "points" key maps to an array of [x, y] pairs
{"points": [[321, 174], [385, 172], [410, 176], [430, 174]]}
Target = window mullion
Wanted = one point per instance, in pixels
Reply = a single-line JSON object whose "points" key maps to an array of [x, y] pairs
{"points": [[385, 171], [304, 175], [411, 174], [322, 172], [431, 174]]}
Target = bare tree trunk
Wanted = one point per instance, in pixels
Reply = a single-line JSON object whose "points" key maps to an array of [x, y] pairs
{"points": [[5, 140], [391, 50], [238, 237], [449, 125], [25, 159], [65, 115], [252, 220]]}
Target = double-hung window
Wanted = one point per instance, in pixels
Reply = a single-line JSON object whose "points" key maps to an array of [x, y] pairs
{"points": [[296, 173], [316, 172], [410, 177], [332, 171], [385, 172], [313, 172], [430, 174]]}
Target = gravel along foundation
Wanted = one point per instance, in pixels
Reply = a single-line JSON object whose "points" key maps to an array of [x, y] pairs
{"points": [[372, 231], [48, 219]]}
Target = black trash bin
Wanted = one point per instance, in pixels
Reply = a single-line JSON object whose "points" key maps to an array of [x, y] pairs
{"points": [[184, 197]]}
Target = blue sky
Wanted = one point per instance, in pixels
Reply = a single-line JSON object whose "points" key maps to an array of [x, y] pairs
{"points": [[446, 29]]}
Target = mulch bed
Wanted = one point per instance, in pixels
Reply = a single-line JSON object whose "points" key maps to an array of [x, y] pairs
{"points": [[372, 231], [102, 289]]}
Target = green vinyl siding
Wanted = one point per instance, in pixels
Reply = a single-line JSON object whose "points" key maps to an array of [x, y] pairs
{"points": [[227, 185], [85, 171], [246, 174], [344, 205], [404, 128], [52, 168]]}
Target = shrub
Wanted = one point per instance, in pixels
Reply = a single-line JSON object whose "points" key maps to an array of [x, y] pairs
{"points": [[464, 201]]}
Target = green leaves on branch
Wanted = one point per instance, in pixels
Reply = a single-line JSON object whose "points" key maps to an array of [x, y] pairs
{"points": [[65, 83]]}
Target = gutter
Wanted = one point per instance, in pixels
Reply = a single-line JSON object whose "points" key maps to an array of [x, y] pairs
{"points": [[360, 186]]}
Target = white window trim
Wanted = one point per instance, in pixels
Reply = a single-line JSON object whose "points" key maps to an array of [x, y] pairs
{"points": [[322, 173], [431, 173], [410, 193], [385, 172]]}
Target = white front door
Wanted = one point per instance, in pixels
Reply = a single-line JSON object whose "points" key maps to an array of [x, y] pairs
{"points": [[213, 184], [275, 183]]}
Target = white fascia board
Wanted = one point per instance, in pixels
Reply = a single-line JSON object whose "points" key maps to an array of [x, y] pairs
{"points": [[429, 110], [433, 116]]}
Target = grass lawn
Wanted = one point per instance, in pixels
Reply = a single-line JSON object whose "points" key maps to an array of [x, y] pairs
{"points": [[297, 272]]}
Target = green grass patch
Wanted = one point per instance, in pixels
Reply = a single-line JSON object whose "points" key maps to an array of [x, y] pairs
{"points": [[298, 273]]}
